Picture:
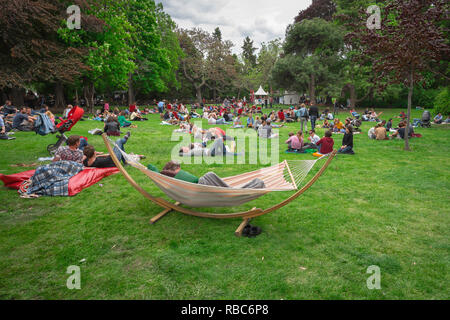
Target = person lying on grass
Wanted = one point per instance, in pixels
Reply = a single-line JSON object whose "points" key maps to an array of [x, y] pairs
{"points": [[326, 144], [218, 149], [100, 160], [347, 141], [173, 169], [295, 142]]}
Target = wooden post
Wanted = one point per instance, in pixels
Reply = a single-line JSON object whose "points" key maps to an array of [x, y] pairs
{"points": [[161, 215], [238, 232]]}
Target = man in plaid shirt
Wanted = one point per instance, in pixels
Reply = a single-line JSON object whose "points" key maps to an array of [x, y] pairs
{"points": [[71, 152]]}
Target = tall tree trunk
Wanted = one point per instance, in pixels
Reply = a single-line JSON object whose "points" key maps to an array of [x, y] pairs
{"points": [[60, 102], [199, 94], [410, 93], [77, 99], [131, 94], [312, 89], [17, 97], [88, 92]]}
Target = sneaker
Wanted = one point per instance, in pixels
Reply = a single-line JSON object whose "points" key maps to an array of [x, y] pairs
{"points": [[246, 231], [254, 231]]}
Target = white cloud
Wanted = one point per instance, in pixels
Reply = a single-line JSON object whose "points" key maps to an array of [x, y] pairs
{"points": [[261, 20]]}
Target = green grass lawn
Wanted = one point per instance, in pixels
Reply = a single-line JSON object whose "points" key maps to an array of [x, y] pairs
{"points": [[382, 206]]}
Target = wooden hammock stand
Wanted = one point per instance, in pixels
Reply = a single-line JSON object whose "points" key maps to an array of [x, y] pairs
{"points": [[246, 215]]}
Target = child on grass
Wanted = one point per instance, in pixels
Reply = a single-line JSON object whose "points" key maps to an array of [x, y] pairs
{"points": [[326, 145]]}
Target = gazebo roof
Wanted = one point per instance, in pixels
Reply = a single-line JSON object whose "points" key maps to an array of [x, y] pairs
{"points": [[260, 92]]}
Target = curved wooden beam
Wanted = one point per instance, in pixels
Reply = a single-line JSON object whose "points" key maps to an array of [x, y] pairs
{"points": [[246, 214]]}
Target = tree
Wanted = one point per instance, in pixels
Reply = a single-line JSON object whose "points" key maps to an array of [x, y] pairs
{"points": [[30, 48], [248, 52], [323, 9], [217, 34], [311, 57], [410, 40], [195, 44], [207, 60], [267, 58]]}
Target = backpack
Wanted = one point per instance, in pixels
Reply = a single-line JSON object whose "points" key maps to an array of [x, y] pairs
{"points": [[303, 113]]}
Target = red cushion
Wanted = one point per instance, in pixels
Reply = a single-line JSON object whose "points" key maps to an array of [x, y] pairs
{"points": [[83, 180]]}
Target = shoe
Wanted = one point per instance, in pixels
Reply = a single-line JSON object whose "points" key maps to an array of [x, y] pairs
{"points": [[254, 231], [246, 230]]}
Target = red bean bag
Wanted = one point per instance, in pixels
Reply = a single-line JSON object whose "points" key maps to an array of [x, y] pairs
{"points": [[83, 180]]}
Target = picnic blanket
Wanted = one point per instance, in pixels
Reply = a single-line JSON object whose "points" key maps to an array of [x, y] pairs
{"points": [[78, 182]]}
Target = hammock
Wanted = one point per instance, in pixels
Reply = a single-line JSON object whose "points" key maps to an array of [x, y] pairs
{"points": [[285, 176]]}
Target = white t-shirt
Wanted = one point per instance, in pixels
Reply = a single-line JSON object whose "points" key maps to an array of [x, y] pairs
{"points": [[211, 121], [371, 133], [314, 139]]}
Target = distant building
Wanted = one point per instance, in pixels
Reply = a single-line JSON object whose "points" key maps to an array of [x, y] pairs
{"points": [[290, 98]]}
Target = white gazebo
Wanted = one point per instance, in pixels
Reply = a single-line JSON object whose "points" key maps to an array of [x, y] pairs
{"points": [[261, 92]]}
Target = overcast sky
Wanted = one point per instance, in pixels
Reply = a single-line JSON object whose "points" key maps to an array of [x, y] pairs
{"points": [[261, 20]]}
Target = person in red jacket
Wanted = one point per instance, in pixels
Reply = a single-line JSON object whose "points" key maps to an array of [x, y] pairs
{"points": [[281, 116], [325, 144]]}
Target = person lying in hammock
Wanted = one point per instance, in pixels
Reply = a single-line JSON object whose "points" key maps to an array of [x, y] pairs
{"points": [[173, 169]]}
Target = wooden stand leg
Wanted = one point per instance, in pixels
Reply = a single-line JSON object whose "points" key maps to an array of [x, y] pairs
{"points": [[161, 215], [238, 232]]}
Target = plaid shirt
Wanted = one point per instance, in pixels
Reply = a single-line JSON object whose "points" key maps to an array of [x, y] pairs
{"points": [[53, 179], [67, 154]]}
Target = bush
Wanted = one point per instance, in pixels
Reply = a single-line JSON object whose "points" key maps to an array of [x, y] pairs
{"points": [[442, 102]]}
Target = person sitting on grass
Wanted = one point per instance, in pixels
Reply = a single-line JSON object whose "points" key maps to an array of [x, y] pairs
{"points": [[135, 116], [250, 122], [400, 133], [237, 123], [371, 133], [173, 169], [326, 145], [313, 140], [347, 141], [326, 124], [112, 127], [3, 135], [380, 132], [338, 126], [122, 120], [389, 125], [22, 121], [438, 119], [71, 152], [295, 142]]}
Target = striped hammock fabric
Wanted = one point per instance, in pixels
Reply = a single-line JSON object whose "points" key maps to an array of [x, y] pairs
{"points": [[285, 176]]}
